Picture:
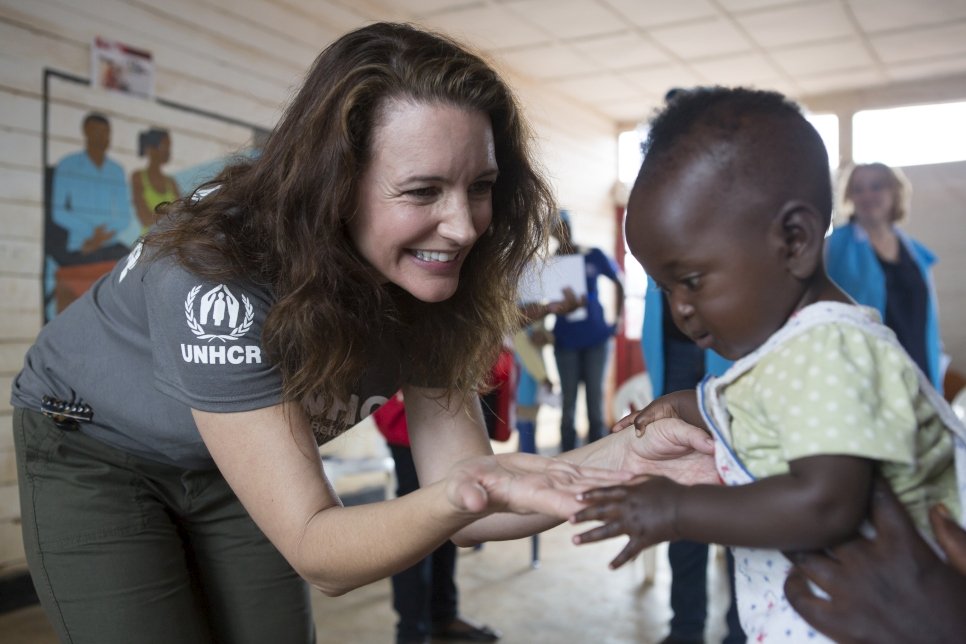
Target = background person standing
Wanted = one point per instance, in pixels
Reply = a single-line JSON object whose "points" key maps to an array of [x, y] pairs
{"points": [[582, 342]]}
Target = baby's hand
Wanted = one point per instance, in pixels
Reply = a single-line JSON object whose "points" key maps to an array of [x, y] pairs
{"points": [[666, 406], [646, 512]]}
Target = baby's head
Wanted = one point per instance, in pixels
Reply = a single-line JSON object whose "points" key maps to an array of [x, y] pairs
{"points": [[729, 213]]}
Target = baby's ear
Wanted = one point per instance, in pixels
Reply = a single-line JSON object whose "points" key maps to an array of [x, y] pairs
{"points": [[802, 230]]}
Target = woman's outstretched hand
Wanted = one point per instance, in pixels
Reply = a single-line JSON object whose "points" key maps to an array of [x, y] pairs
{"points": [[668, 447], [524, 484]]}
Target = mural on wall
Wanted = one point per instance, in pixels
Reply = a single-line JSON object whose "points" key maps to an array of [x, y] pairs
{"points": [[91, 224], [191, 177], [100, 199]]}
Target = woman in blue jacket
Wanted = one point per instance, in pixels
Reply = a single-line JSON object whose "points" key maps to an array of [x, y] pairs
{"points": [[880, 266]]}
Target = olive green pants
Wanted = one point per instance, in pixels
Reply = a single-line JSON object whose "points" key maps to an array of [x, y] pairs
{"points": [[122, 549]]}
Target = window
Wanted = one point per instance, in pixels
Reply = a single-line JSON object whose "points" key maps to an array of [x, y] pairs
{"points": [[913, 135], [629, 159], [828, 128], [629, 155]]}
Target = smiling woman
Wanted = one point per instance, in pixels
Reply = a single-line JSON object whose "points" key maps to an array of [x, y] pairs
{"points": [[375, 245], [420, 215]]}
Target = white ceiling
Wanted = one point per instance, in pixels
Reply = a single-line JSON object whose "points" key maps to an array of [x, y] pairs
{"points": [[619, 57]]}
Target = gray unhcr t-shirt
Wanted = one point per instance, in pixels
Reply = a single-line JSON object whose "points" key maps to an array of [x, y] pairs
{"points": [[150, 341]]}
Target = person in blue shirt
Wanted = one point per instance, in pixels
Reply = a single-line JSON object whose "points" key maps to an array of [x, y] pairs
{"points": [[880, 266], [92, 224], [581, 341], [91, 200]]}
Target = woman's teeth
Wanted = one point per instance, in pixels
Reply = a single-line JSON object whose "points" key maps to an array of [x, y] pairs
{"points": [[434, 256]]}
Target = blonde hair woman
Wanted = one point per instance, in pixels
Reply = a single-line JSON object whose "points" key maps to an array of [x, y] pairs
{"points": [[879, 265]]}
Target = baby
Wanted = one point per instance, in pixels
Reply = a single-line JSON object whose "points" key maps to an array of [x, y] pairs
{"points": [[728, 215]]}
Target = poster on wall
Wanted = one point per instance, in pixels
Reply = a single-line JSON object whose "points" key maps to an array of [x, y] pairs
{"points": [[113, 163], [121, 68]]}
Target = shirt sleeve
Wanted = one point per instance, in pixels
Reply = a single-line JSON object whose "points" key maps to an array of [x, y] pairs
{"points": [[605, 265], [837, 390], [206, 341]]}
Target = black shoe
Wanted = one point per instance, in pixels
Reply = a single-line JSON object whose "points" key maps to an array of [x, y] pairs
{"points": [[464, 630]]}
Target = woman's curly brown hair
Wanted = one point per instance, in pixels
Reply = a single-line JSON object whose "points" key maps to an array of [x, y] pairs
{"points": [[280, 220]]}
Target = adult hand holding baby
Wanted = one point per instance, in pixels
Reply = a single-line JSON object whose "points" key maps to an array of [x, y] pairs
{"points": [[892, 588]]}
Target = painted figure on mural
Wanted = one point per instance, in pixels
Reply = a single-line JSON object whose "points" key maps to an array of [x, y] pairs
{"points": [[90, 217], [150, 187]]}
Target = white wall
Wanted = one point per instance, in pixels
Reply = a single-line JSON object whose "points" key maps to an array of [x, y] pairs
{"points": [[938, 219], [240, 58]]}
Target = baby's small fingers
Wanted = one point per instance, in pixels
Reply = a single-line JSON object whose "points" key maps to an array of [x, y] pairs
{"points": [[624, 422], [631, 550], [597, 495], [594, 513], [599, 533]]}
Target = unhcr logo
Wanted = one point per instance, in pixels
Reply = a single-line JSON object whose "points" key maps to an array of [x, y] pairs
{"points": [[218, 319]]}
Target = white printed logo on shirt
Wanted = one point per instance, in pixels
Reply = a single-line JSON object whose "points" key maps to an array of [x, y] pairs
{"points": [[220, 316], [219, 308]]}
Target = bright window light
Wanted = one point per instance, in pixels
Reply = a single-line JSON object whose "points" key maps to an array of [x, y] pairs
{"points": [[629, 155], [629, 159], [828, 128], [914, 135], [635, 285]]}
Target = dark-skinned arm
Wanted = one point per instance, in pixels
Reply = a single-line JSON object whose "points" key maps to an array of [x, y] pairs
{"points": [[820, 502]]}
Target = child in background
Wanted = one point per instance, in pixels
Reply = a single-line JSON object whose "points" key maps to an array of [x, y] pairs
{"points": [[728, 215], [533, 383]]}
